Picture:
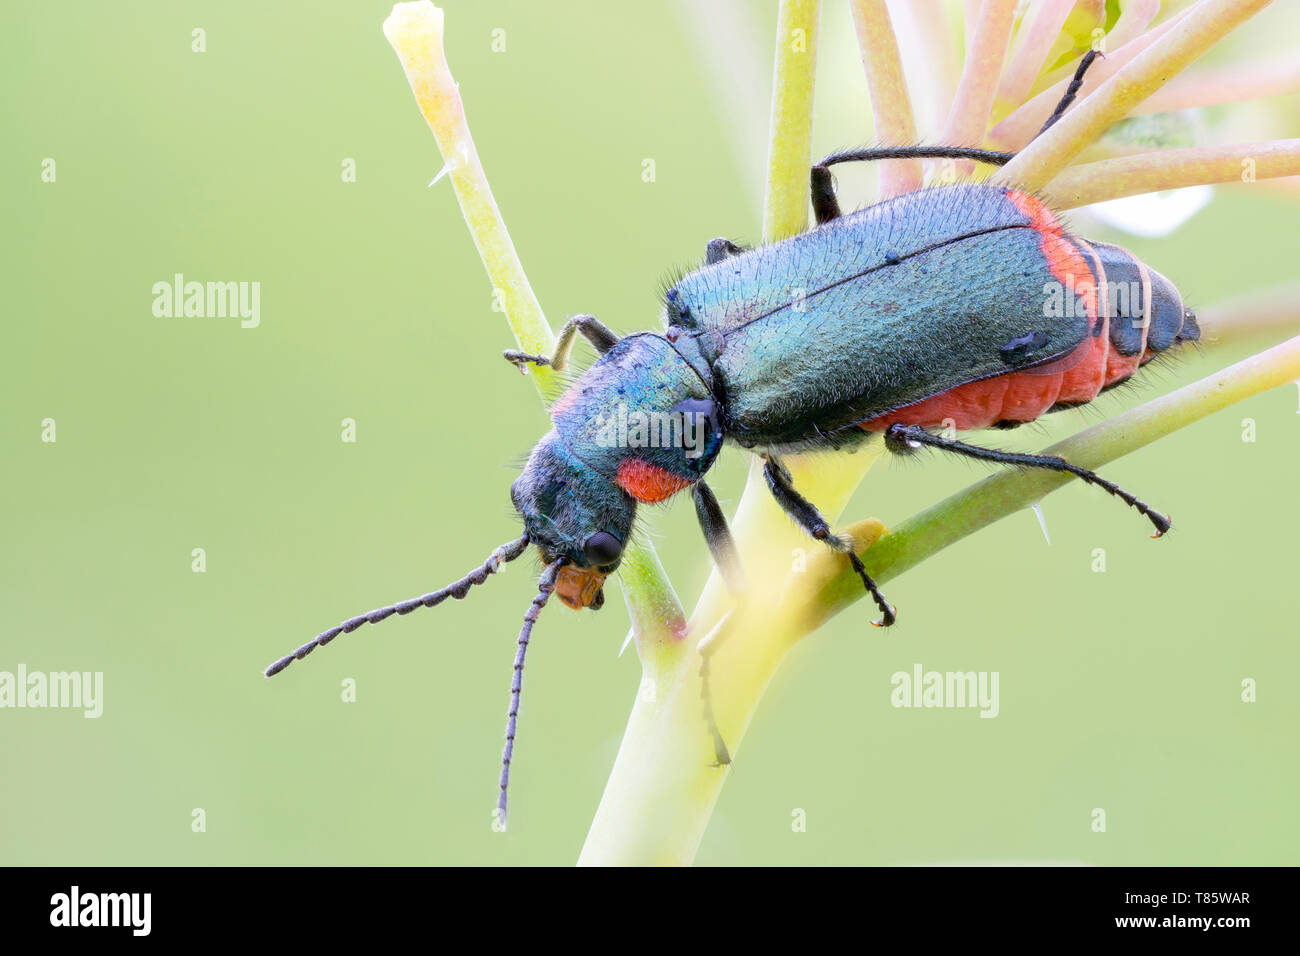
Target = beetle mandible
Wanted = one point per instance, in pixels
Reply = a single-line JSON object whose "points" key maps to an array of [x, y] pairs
{"points": [[889, 321]]}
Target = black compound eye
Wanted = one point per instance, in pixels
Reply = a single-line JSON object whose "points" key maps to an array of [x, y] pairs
{"points": [[602, 548]]}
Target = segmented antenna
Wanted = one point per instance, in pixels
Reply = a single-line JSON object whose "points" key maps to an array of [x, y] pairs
{"points": [[507, 552], [1071, 91], [545, 585]]}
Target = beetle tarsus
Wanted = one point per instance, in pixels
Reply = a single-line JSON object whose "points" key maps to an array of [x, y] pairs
{"points": [[708, 647], [522, 359], [914, 433], [592, 329], [806, 515]]}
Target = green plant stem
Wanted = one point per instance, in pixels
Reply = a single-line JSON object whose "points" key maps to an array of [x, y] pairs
{"points": [[1203, 26], [415, 31], [662, 789], [891, 107], [785, 208], [1170, 169], [673, 774], [1010, 491], [969, 115]]}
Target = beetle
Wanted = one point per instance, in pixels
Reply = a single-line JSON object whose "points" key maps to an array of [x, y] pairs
{"points": [[961, 306]]}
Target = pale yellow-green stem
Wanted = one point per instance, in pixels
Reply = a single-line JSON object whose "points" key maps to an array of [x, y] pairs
{"points": [[968, 118], [1010, 491], [1170, 169], [1019, 127], [662, 789], [1131, 26], [1037, 36], [1262, 313], [891, 107], [785, 202], [1202, 27], [1134, 17], [415, 31], [1231, 84], [924, 38]]}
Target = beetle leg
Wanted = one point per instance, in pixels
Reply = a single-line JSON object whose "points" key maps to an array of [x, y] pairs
{"points": [[719, 249], [714, 525], [708, 647], [592, 330], [915, 434], [810, 519]]}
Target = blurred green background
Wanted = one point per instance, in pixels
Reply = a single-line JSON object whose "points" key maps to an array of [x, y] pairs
{"points": [[1119, 690]]}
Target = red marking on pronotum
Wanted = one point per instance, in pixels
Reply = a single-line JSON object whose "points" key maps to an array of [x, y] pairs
{"points": [[646, 482]]}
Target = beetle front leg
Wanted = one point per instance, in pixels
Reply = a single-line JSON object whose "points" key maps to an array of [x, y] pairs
{"points": [[721, 545], [810, 519], [601, 338]]}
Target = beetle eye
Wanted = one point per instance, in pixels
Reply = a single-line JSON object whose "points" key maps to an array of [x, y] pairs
{"points": [[602, 548]]}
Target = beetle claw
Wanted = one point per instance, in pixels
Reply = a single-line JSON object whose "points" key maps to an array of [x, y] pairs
{"points": [[890, 616]]}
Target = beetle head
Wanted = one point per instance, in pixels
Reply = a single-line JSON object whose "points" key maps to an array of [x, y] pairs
{"points": [[573, 512]]}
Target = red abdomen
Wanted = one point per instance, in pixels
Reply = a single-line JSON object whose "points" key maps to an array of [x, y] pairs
{"points": [[1133, 311]]}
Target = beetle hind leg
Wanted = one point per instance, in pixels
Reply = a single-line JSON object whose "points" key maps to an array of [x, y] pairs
{"points": [[913, 435], [810, 519]]}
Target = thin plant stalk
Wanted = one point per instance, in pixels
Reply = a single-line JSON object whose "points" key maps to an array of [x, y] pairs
{"points": [[665, 782], [1205, 24], [785, 209], [1022, 123], [969, 116], [1172, 169], [415, 31], [1036, 38], [891, 107], [1010, 491]]}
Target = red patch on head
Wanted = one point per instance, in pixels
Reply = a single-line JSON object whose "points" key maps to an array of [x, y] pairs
{"points": [[648, 483]]}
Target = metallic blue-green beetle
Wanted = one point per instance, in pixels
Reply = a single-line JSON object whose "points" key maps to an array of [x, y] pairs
{"points": [[955, 307]]}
